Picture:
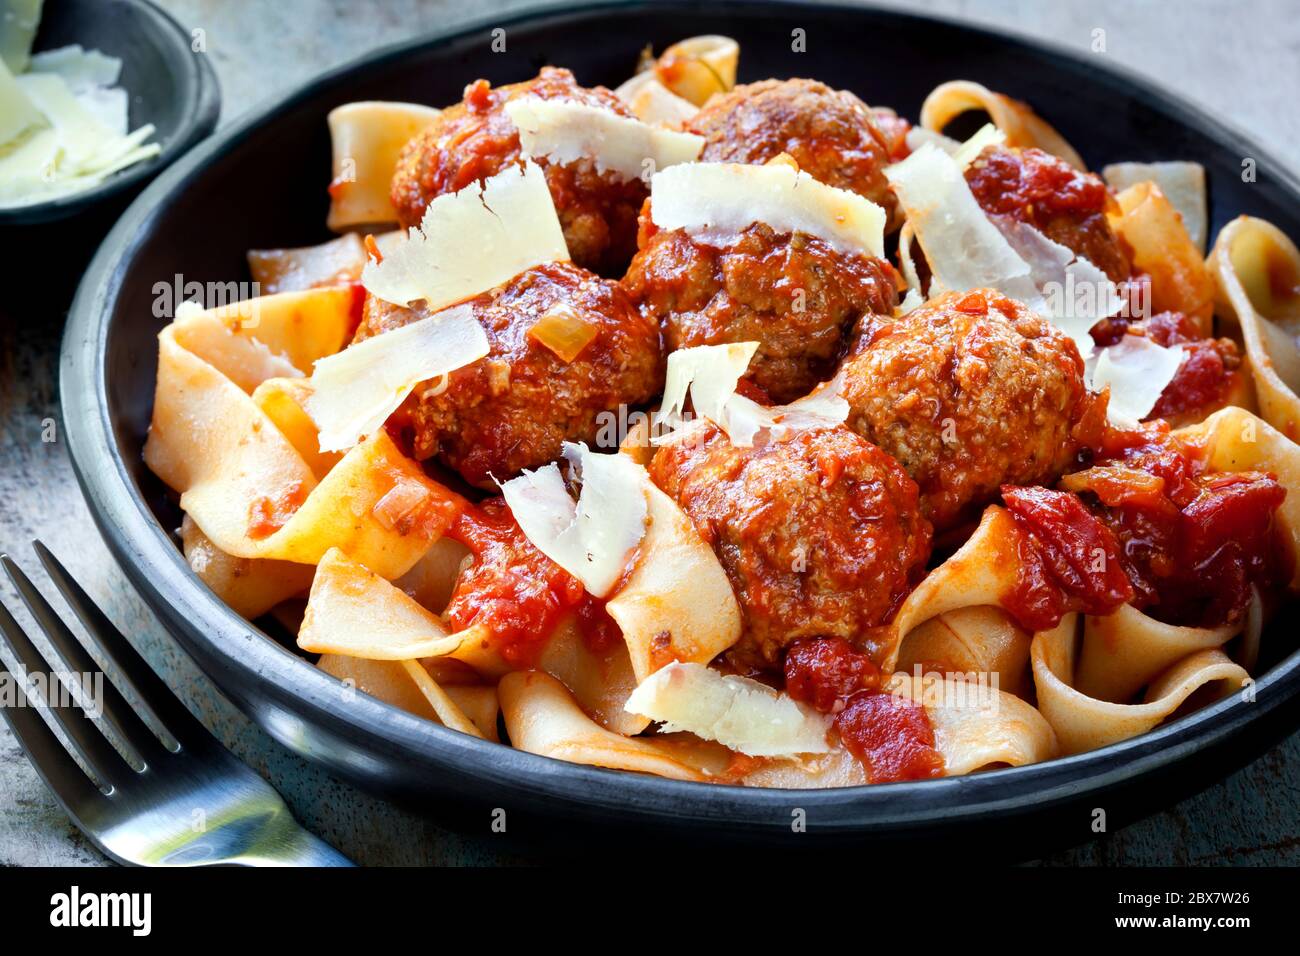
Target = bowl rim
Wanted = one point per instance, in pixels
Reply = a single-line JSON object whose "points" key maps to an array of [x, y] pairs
{"points": [[159, 571], [199, 110]]}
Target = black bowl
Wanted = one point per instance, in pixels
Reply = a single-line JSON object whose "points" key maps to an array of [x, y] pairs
{"points": [[168, 84], [262, 183]]}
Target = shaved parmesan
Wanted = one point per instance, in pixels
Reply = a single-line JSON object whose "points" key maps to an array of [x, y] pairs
{"points": [[80, 69], [472, 241], [108, 106], [966, 249], [1182, 183], [712, 372], [594, 538], [717, 201], [355, 390], [1137, 371], [986, 136], [735, 711], [18, 22], [17, 112], [564, 132]]}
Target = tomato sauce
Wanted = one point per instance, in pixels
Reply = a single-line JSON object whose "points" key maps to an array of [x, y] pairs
{"points": [[1147, 526], [1068, 559], [517, 592], [890, 735]]}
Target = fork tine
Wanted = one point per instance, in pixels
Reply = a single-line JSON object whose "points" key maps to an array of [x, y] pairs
{"points": [[126, 723], [91, 745], [71, 787], [117, 650]]}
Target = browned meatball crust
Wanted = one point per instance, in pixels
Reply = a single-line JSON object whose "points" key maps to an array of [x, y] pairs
{"points": [[514, 408], [475, 139], [793, 294], [831, 134], [820, 534], [968, 392]]}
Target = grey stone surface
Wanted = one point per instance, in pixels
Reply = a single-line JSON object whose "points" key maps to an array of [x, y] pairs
{"points": [[1243, 65]]}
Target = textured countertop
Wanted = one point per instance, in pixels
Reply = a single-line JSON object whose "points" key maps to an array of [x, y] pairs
{"points": [[1244, 65]]}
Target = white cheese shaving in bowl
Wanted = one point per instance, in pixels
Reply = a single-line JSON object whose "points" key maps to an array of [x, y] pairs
{"points": [[711, 374], [1137, 371], [355, 390], [472, 241], [718, 201], [81, 69], [594, 538], [735, 711], [563, 132]]}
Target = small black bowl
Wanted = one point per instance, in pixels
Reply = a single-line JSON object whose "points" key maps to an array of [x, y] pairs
{"points": [[169, 86], [261, 183]]}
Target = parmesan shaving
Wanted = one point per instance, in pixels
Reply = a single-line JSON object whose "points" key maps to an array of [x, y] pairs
{"points": [[711, 374], [717, 201], [564, 132], [472, 241], [355, 390], [735, 711], [80, 69], [595, 538], [17, 113], [1137, 371], [987, 135]]}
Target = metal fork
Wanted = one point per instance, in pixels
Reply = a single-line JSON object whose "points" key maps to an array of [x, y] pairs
{"points": [[186, 802]]}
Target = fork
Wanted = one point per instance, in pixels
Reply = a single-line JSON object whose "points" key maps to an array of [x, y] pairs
{"points": [[186, 801]]}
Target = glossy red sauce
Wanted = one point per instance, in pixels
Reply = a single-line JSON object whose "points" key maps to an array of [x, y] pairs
{"points": [[1147, 525], [267, 515], [890, 735], [1007, 183], [1193, 543], [1068, 559], [517, 592]]}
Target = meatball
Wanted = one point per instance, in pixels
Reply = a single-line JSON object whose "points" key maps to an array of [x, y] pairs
{"points": [[793, 294], [515, 407], [970, 391], [820, 534], [1066, 205], [475, 139], [831, 134]]}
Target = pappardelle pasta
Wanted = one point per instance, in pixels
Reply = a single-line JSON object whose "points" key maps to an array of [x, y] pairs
{"points": [[749, 434]]}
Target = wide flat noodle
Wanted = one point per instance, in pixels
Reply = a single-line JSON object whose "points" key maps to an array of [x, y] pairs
{"points": [[979, 639], [1183, 183], [1021, 126], [354, 612], [676, 604], [542, 718], [698, 67], [307, 267], [1256, 272], [976, 725], [248, 586], [1124, 651], [408, 686], [366, 140], [1162, 248], [243, 482], [1084, 723], [652, 102]]}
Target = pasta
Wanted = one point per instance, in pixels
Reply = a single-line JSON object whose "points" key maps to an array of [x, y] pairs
{"points": [[915, 470]]}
